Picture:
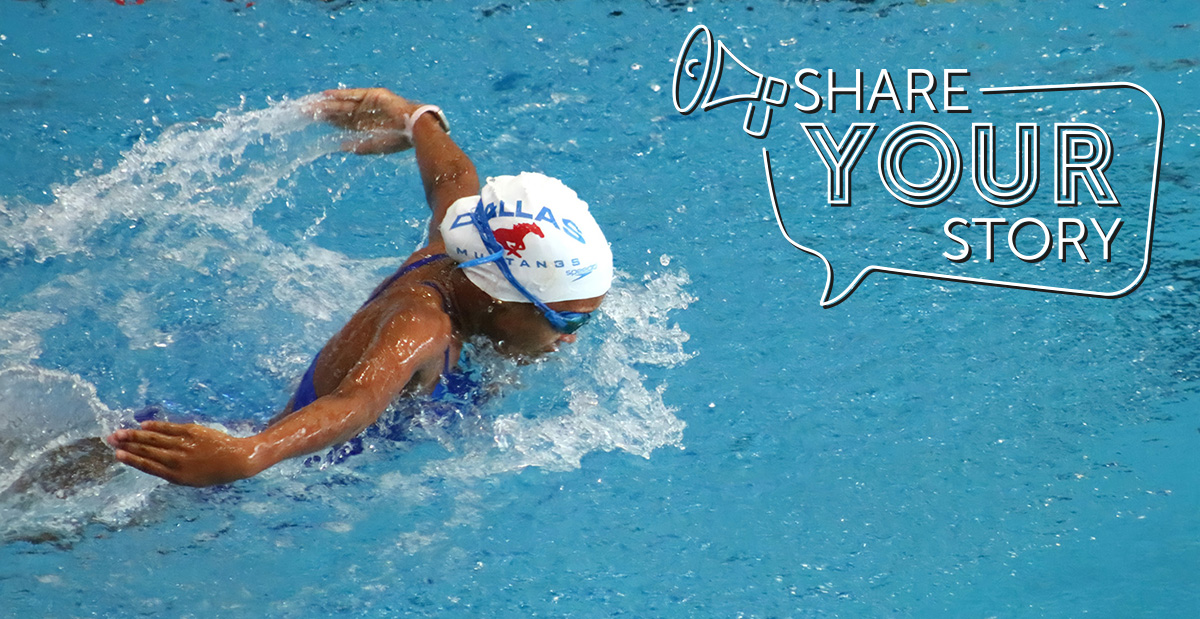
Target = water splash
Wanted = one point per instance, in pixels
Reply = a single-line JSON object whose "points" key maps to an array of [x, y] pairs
{"points": [[56, 477], [216, 172], [609, 405], [164, 250]]}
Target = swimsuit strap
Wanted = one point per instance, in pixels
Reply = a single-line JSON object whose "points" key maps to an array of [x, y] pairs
{"points": [[441, 293], [306, 392], [404, 271], [439, 389], [446, 307]]}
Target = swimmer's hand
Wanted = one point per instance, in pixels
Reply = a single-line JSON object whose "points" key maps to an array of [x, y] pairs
{"points": [[186, 454], [379, 112]]}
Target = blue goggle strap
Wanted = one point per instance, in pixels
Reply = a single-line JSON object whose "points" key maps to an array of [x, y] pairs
{"points": [[557, 319]]}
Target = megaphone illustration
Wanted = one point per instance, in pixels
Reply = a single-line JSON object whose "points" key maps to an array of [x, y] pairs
{"points": [[706, 88]]}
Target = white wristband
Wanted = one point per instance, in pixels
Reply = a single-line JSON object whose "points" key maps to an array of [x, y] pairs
{"points": [[432, 109]]}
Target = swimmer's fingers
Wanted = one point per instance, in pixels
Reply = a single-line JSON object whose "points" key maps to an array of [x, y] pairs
{"points": [[147, 465], [338, 105], [166, 457], [372, 96], [145, 437], [379, 143], [363, 109], [347, 94], [188, 454], [150, 451], [336, 111], [166, 427]]}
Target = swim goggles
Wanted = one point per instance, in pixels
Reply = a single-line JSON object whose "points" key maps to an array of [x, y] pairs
{"points": [[563, 322]]}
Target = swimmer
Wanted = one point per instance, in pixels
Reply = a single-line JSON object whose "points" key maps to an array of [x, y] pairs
{"points": [[520, 262]]}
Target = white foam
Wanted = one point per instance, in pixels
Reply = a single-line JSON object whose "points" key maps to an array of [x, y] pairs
{"points": [[134, 316], [21, 333], [609, 406]]}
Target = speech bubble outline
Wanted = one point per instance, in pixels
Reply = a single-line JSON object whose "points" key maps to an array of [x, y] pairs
{"points": [[827, 302]]}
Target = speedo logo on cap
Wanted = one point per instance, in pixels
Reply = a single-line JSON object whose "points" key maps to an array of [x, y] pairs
{"points": [[545, 214], [579, 274]]}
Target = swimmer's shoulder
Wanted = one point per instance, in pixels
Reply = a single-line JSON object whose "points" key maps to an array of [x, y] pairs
{"points": [[417, 325], [416, 302]]}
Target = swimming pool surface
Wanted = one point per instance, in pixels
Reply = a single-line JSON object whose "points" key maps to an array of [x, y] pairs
{"points": [[174, 232]]}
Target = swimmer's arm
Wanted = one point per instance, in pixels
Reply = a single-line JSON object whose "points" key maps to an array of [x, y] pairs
{"points": [[446, 172], [387, 368], [195, 455], [328, 420]]}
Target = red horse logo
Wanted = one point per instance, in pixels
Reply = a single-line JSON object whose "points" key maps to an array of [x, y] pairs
{"points": [[513, 239]]}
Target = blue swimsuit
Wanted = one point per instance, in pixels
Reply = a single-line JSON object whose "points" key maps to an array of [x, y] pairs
{"points": [[306, 393]]}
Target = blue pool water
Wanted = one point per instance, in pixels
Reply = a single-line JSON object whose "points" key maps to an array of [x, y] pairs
{"points": [[173, 231]]}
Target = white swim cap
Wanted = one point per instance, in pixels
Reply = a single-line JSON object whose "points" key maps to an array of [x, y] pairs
{"points": [[551, 243]]}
